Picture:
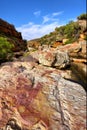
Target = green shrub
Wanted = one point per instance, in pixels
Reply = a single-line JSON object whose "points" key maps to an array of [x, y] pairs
{"points": [[85, 38], [69, 41], [82, 17], [71, 30], [5, 49]]}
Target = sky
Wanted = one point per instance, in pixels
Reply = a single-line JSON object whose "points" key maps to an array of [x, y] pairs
{"points": [[36, 18]]}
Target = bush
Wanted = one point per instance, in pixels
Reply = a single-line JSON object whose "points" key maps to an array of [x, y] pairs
{"points": [[69, 41], [85, 38], [71, 30], [5, 49], [82, 17]]}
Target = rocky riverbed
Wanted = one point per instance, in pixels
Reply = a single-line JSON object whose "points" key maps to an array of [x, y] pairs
{"points": [[43, 88], [40, 91], [33, 96]]}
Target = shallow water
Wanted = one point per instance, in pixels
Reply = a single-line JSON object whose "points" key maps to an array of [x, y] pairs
{"points": [[78, 75]]}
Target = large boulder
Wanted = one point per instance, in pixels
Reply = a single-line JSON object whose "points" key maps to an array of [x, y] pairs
{"points": [[46, 57], [54, 58], [34, 97], [62, 60]]}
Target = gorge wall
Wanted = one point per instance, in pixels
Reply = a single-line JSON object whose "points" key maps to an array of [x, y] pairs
{"points": [[8, 30]]}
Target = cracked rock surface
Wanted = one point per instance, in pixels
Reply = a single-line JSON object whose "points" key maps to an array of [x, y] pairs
{"points": [[35, 97]]}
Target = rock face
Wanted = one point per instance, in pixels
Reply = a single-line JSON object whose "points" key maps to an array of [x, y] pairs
{"points": [[83, 23], [9, 29], [35, 97], [76, 50], [33, 43], [12, 35]]}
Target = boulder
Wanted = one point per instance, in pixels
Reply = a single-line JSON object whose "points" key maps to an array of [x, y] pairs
{"points": [[46, 58], [62, 60], [54, 58], [34, 97], [76, 49]]}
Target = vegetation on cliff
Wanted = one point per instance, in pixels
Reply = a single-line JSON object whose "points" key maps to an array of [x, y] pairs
{"points": [[8, 31], [82, 17], [71, 32], [10, 41], [5, 49]]}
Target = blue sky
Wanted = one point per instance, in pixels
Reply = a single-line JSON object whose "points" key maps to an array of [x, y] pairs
{"points": [[35, 18]]}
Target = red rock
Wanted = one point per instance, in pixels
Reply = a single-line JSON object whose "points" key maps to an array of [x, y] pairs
{"points": [[46, 58], [77, 49], [32, 97]]}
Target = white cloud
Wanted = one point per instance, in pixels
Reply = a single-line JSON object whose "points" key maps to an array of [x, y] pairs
{"points": [[57, 13], [37, 13], [51, 17], [46, 19], [32, 30], [36, 31]]}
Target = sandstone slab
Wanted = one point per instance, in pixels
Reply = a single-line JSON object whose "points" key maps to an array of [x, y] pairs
{"points": [[35, 97]]}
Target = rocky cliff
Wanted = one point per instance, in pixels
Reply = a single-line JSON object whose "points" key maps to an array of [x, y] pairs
{"points": [[8, 30]]}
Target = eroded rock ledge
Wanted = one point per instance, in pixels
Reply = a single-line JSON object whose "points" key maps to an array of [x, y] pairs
{"points": [[35, 97]]}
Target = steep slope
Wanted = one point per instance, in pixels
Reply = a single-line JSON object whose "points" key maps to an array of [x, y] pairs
{"points": [[66, 34]]}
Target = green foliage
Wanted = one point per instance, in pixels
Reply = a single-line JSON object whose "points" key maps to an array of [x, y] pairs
{"points": [[60, 30], [70, 31], [5, 49], [69, 41], [82, 17], [85, 38]]}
